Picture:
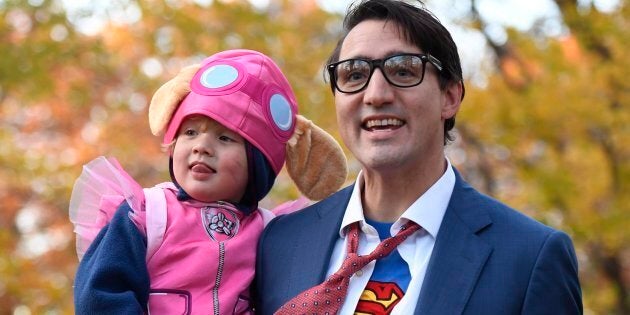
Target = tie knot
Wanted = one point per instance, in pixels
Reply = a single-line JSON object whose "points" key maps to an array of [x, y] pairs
{"points": [[353, 263]]}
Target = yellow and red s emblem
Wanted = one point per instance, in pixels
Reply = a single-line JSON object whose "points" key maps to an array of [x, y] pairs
{"points": [[379, 298]]}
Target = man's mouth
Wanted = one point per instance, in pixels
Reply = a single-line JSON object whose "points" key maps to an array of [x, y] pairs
{"points": [[382, 124]]}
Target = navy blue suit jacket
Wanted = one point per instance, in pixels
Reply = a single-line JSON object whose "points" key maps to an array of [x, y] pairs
{"points": [[487, 259]]}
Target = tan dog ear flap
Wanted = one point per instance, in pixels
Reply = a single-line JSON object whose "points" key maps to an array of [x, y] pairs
{"points": [[315, 160], [167, 98]]}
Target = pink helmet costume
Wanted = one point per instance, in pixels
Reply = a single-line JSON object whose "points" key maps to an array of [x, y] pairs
{"points": [[246, 92], [200, 256]]}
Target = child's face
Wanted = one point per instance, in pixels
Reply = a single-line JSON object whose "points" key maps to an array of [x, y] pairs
{"points": [[209, 160]]}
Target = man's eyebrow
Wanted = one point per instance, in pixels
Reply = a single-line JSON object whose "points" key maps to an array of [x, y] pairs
{"points": [[398, 52], [388, 54]]}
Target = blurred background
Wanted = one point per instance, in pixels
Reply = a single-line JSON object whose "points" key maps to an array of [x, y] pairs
{"points": [[544, 125]]}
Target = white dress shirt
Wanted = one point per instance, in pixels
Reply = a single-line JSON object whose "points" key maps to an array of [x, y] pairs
{"points": [[427, 211]]}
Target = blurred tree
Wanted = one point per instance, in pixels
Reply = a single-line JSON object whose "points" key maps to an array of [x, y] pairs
{"points": [[550, 135]]}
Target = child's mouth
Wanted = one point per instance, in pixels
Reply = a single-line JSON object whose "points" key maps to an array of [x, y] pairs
{"points": [[201, 168]]}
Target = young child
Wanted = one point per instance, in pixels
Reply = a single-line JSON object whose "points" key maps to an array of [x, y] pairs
{"points": [[189, 246]]}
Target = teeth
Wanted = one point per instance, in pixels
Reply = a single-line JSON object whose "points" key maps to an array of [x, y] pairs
{"points": [[383, 122]]}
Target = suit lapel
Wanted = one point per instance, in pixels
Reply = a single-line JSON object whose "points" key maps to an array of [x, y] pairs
{"points": [[320, 234], [458, 255]]}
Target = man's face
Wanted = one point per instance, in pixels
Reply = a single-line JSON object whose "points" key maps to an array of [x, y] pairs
{"points": [[388, 127]]}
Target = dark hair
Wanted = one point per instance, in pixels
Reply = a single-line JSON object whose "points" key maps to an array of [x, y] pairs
{"points": [[420, 27]]}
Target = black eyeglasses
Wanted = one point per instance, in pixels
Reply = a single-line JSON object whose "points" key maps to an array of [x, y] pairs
{"points": [[401, 70]]}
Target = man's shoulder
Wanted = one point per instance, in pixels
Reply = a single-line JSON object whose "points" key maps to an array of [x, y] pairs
{"points": [[326, 211], [513, 235], [332, 205], [515, 219], [503, 217]]}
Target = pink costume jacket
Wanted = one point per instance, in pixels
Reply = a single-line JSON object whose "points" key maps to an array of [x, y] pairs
{"points": [[203, 263], [206, 261]]}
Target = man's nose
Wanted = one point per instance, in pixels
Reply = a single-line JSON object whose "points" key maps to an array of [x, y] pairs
{"points": [[378, 92]]}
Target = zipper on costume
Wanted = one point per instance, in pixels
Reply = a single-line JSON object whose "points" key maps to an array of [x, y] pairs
{"points": [[217, 281]]}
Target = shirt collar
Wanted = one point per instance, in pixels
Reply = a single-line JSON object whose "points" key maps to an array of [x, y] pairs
{"points": [[428, 210]]}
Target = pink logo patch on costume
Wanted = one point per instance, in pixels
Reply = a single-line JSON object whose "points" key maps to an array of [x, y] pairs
{"points": [[221, 224]]}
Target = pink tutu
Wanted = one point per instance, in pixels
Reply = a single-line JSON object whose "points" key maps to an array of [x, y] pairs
{"points": [[97, 193]]}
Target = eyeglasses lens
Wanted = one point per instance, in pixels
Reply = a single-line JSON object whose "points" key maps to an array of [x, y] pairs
{"points": [[402, 70], [352, 74]]}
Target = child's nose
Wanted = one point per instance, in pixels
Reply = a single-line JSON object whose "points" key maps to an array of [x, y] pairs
{"points": [[203, 146]]}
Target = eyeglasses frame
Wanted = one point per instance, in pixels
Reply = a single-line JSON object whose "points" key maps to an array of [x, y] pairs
{"points": [[379, 63]]}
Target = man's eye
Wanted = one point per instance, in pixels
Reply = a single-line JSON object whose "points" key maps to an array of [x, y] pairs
{"points": [[355, 76], [403, 74], [402, 71], [353, 71]]}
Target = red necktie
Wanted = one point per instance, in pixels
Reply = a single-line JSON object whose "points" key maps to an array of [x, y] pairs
{"points": [[328, 297]]}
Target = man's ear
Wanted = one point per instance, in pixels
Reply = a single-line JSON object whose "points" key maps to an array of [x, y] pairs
{"points": [[452, 99]]}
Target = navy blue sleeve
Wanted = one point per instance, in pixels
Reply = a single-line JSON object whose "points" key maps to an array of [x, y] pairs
{"points": [[112, 277], [554, 286]]}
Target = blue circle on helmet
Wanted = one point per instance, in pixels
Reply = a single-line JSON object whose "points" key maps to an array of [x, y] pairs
{"points": [[281, 112], [218, 76]]}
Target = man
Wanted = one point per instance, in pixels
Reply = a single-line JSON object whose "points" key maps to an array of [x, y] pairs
{"points": [[397, 80]]}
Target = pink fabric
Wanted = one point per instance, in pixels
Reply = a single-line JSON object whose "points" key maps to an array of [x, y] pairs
{"points": [[156, 218], [246, 105], [189, 260], [100, 189], [291, 206]]}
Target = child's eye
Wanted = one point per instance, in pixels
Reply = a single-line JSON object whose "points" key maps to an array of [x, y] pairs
{"points": [[226, 138], [190, 132]]}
